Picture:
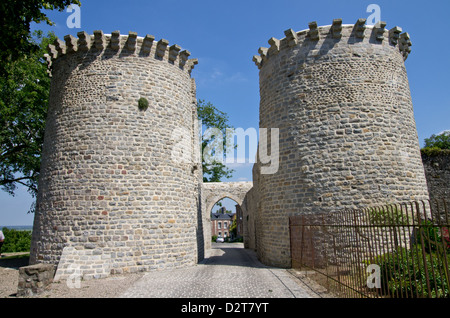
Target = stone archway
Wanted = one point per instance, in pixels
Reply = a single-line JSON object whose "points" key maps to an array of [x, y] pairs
{"points": [[213, 192]]}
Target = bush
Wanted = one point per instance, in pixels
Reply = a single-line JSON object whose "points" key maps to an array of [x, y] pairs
{"points": [[403, 273], [441, 141], [434, 238], [434, 152], [16, 241], [143, 104]]}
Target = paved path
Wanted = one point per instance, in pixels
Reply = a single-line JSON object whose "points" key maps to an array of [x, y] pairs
{"points": [[229, 271]]}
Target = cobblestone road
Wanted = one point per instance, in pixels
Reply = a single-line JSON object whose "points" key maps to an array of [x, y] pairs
{"points": [[229, 270]]}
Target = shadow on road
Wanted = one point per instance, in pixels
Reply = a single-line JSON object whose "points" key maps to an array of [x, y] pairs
{"points": [[232, 254]]}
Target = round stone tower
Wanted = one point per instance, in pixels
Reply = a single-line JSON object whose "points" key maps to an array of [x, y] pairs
{"points": [[340, 97], [120, 176]]}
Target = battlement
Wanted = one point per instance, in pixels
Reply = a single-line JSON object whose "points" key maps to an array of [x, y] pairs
{"points": [[353, 33], [122, 45]]}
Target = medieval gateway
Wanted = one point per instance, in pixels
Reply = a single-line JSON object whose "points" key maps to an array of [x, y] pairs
{"points": [[121, 179]]}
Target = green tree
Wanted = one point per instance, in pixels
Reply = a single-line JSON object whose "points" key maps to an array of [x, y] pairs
{"points": [[15, 20], [16, 241], [24, 95], [441, 141], [212, 117]]}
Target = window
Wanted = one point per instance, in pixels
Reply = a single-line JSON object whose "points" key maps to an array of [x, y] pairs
{"points": [[224, 225], [219, 225]]}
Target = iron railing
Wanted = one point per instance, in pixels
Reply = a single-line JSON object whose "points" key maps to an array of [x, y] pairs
{"points": [[400, 250]]}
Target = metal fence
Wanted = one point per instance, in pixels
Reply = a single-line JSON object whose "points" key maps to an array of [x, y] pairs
{"points": [[400, 250]]}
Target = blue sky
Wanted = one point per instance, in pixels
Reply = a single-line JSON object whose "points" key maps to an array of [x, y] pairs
{"points": [[224, 36]]}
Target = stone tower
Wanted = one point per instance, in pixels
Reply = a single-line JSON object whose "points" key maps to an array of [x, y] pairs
{"points": [[120, 183], [339, 95]]}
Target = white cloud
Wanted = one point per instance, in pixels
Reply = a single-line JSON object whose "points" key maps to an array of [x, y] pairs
{"points": [[237, 77], [216, 72]]}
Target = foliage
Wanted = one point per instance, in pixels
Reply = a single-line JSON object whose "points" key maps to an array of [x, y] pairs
{"points": [[391, 215], [16, 241], [405, 271], [143, 104], [212, 117], [437, 145], [434, 238], [446, 237], [434, 151], [213, 238], [15, 21], [23, 110], [441, 141]]}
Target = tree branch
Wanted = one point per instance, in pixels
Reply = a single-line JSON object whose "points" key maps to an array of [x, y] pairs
{"points": [[18, 180]]}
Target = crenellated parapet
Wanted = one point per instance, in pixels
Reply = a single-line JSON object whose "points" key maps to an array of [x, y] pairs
{"points": [[352, 33], [122, 45]]}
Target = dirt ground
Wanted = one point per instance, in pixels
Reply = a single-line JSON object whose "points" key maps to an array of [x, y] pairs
{"points": [[111, 287]]}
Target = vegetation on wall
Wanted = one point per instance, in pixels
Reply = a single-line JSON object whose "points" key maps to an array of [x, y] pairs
{"points": [[143, 104], [437, 145]]}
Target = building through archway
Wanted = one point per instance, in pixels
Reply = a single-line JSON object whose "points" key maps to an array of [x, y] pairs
{"points": [[215, 192], [227, 220]]}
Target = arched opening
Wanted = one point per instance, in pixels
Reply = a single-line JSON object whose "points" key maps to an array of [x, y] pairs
{"points": [[226, 221]]}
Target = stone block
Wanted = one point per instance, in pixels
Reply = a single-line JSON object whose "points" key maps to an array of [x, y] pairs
{"points": [[35, 279]]}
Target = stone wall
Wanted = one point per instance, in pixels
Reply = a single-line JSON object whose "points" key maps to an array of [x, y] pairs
{"points": [[437, 170], [249, 205], [120, 187], [339, 95]]}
